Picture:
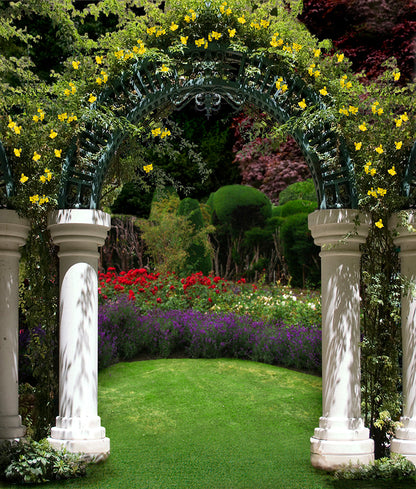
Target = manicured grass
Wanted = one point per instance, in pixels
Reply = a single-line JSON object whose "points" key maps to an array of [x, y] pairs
{"points": [[208, 424]]}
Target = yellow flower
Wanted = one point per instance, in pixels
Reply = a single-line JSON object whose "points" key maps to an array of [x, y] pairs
{"points": [[283, 88], [228, 11], [72, 117], [98, 60], [358, 146], [165, 133], [297, 47], [398, 122], [216, 35], [34, 198], [36, 118], [381, 191], [187, 19], [151, 30], [156, 131], [67, 92], [340, 57], [374, 107], [11, 124], [160, 32], [310, 69], [255, 25], [362, 127], [317, 73], [404, 117], [42, 178], [380, 149], [396, 76], [264, 23], [17, 152], [398, 144], [120, 54], [92, 98], [58, 152], [302, 104], [53, 134], [36, 156], [372, 193], [344, 111], [105, 76], [373, 171], [17, 129], [164, 68], [200, 42], [75, 65], [98, 80], [367, 167], [231, 32], [43, 200], [316, 53], [148, 168], [241, 19], [352, 109], [184, 40], [379, 224], [323, 91], [173, 26], [392, 171], [380, 111], [23, 178]]}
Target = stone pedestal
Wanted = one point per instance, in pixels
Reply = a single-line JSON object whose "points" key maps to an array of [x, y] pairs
{"points": [[404, 441], [79, 233], [13, 234], [341, 437]]}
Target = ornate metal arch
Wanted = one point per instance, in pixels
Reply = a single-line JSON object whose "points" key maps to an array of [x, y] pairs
{"points": [[214, 73], [6, 178], [409, 180]]}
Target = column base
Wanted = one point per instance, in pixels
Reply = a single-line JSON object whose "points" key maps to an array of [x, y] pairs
{"points": [[339, 441], [11, 428], [83, 435], [404, 441]]}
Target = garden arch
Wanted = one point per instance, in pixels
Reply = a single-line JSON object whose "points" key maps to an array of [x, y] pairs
{"points": [[78, 228], [209, 76]]}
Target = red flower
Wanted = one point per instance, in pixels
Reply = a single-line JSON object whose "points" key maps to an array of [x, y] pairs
{"points": [[159, 300]]}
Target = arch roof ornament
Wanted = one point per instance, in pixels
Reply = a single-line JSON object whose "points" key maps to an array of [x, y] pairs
{"points": [[208, 77]]}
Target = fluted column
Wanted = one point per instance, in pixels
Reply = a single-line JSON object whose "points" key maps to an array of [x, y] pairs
{"points": [[13, 234], [79, 233], [341, 436], [404, 441]]}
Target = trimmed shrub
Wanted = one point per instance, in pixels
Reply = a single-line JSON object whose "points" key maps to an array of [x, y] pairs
{"points": [[300, 190], [301, 254], [295, 207]]}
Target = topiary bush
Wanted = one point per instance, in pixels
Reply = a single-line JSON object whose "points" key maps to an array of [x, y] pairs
{"points": [[300, 190], [300, 252], [31, 462], [198, 259], [295, 207]]}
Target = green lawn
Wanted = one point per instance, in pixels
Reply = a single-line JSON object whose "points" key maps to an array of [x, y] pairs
{"points": [[208, 424]]}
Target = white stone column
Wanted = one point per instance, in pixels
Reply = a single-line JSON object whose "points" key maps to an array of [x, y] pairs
{"points": [[341, 436], [404, 441], [78, 233], [13, 234]]}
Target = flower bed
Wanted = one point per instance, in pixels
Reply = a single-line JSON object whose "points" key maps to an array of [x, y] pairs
{"points": [[125, 333], [210, 293]]}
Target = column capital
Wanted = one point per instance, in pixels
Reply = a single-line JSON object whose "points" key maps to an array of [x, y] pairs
{"points": [[339, 228], [403, 224], [79, 228], [13, 230]]}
